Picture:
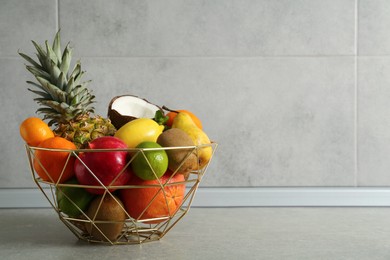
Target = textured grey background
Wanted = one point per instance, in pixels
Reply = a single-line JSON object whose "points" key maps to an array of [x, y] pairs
{"points": [[297, 93]]}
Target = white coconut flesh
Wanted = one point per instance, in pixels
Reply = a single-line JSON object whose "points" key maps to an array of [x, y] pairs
{"points": [[134, 106]]}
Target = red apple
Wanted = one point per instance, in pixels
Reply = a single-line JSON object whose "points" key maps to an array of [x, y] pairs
{"points": [[150, 202], [103, 166]]}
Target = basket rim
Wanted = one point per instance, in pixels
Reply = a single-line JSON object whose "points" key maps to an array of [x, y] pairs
{"points": [[212, 143]]}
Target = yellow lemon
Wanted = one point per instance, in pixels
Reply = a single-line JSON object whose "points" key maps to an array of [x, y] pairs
{"points": [[139, 130]]}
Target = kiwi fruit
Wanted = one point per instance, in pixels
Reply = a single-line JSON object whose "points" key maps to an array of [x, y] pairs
{"points": [[106, 208], [176, 137]]}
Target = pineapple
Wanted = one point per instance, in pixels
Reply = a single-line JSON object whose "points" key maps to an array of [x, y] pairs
{"points": [[64, 99]]}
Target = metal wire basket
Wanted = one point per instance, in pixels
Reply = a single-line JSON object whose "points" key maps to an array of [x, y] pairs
{"points": [[132, 229]]}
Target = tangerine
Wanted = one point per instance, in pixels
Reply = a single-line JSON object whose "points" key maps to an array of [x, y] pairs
{"points": [[33, 131], [171, 115], [54, 165]]}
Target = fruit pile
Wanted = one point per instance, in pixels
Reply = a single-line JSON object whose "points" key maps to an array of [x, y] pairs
{"points": [[111, 178]]}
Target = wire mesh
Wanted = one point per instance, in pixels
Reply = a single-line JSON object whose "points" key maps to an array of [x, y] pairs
{"points": [[171, 197]]}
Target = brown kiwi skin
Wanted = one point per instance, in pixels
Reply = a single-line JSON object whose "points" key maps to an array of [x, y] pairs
{"points": [[109, 210], [176, 137]]}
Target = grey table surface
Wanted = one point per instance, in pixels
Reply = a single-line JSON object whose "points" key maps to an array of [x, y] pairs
{"points": [[214, 233]]}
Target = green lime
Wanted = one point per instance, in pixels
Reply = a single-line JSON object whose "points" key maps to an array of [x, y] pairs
{"points": [[68, 194], [150, 164]]}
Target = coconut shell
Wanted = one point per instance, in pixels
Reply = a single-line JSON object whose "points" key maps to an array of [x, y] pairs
{"points": [[117, 119], [120, 117]]}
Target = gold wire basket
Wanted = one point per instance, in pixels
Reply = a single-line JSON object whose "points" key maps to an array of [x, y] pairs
{"points": [[133, 230]]}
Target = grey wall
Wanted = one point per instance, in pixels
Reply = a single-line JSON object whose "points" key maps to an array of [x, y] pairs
{"points": [[297, 93]]}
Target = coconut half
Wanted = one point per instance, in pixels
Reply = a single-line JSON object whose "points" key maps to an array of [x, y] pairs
{"points": [[125, 108]]}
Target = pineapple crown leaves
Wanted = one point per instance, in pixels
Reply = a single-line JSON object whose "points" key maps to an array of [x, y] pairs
{"points": [[62, 94]]}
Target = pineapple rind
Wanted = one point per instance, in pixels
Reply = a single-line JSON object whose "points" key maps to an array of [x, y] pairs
{"points": [[86, 129]]}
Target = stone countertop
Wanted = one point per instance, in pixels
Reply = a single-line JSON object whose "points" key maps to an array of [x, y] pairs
{"points": [[214, 233]]}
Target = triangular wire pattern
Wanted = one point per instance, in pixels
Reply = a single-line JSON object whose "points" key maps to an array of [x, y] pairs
{"points": [[134, 230]]}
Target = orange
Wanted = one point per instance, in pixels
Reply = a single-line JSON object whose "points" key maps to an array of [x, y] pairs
{"points": [[171, 115], [151, 202], [33, 131], [51, 165]]}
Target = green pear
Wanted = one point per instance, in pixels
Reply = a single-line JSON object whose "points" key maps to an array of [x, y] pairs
{"points": [[184, 122]]}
